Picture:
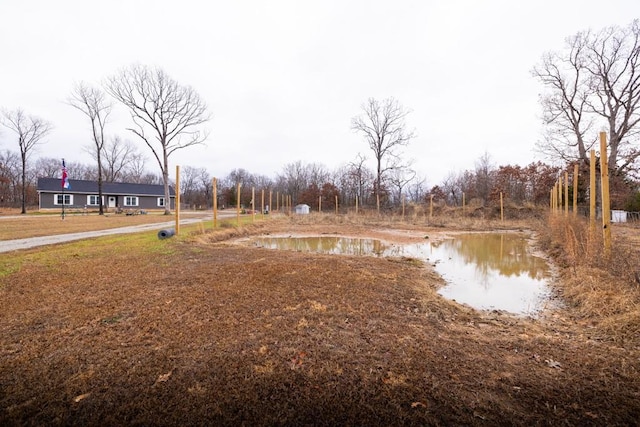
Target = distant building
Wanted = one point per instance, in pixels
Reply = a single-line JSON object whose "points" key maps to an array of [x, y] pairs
{"points": [[115, 195], [618, 216], [302, 209]]}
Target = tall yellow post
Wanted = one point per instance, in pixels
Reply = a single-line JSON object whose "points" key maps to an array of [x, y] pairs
{"points": [[319, 203], [356, 204], [604, 182], [336, 205], [501, 208], [238, 205], [566, 193], [177, 200], [592, 192], [253, 204], [270, 194], [277, 201], [215, 202], [559, 183], [575, 190], [262, 205]]}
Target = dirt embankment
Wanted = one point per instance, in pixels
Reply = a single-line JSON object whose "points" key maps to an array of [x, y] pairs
{"points": [[203, 331]]}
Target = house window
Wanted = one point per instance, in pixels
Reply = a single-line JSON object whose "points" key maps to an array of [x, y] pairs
{"points": [[161, 202], [58, 198], [130, 201], [93, 200]]}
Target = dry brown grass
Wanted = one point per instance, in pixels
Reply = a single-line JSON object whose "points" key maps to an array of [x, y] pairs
{"points": [[603, 290], [198, 330], [445, 218], [46, 225]]}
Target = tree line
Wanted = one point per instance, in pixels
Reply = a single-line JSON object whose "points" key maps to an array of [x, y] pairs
{"points": [[310, 183], [306, 183], [590, 85]]}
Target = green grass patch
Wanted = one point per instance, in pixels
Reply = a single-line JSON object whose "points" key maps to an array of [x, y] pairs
{"points": [[10, 265], [108, 247]]}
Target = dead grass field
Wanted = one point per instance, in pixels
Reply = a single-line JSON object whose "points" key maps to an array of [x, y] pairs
{"points": [[198, 330], [47, 225]]}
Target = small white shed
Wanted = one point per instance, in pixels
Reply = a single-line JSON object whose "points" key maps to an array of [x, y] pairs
{"points": [[302, 209], [618, 216]]}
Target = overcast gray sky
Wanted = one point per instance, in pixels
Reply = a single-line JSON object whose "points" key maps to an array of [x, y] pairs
{"points": [[283, 78]]}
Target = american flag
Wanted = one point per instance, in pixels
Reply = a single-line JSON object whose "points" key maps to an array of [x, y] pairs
{"points": [[65, 177]]}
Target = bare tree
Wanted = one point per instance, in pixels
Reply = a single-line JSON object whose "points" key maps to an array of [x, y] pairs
{"points": [[359, 177], [417, 189], [83, 171], [295, 178], [166, 115], [565, 104], [135, 170], [398, 179], [189, 184], [593, 83], [484, 176], [92, 103], [47, 167], [30, 131], [119, 158], [205, 181], [383, 126], [452, 188], [229, 187], [9, 178]]}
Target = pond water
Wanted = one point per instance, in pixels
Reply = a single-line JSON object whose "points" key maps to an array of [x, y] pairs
{"points": [[488, 271], [324, 245], [494, 271]]}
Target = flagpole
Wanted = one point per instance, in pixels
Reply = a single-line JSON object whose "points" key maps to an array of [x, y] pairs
{"points": [[63, 178]]}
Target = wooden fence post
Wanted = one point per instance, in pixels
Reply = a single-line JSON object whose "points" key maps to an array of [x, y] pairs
{"points": [[238, 205], [604, 181], [559, 184], [566, 193], [575, 190], [177, 200], [593, 191], [215, 202]]}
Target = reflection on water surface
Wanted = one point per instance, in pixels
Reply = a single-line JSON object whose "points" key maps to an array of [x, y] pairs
{"points": [[492, 271], [324, 244]]}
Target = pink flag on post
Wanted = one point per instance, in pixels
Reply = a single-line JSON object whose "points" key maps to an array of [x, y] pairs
{"points": [[65, 177]]}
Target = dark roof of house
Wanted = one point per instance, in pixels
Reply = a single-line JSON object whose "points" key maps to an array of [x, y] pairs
{"points": [[78, 186]]}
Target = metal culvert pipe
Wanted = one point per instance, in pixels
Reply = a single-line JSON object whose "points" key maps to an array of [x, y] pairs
{"points": [[165, 234]]}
